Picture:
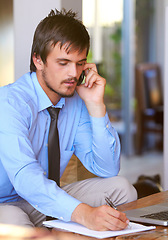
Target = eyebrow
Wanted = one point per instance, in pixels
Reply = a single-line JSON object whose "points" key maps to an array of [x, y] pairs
{"points": [[67, 60]]}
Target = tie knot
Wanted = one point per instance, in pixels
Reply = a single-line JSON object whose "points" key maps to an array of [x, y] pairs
{"points": [[53, 112]]}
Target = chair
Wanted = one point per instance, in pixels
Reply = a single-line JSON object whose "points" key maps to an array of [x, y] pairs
{"points": [[149, 112]]}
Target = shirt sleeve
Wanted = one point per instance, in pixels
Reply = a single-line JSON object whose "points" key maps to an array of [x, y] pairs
{"points": [[97, 145], [25, 173]]}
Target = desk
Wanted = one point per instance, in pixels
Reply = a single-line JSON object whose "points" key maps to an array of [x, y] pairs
{"points": [[160, 233]]}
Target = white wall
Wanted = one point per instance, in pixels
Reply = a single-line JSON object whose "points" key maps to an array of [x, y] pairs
{"points": [[75, 5], [166, 104], [27, 14]]}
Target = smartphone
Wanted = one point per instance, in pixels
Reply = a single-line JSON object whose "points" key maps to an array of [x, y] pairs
{"points": [[81, 78]]}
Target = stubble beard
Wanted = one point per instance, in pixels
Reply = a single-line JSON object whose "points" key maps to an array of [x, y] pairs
{"points": [[62, 95]]}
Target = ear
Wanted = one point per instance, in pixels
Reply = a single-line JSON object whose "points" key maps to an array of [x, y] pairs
{"points": [[38, 62]]}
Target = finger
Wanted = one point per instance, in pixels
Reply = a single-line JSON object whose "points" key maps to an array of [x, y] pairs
{"points": [[116, 219], [94, 77], [89, 66], [121, 216], [91, 77], [114, 223], [86, 71]]}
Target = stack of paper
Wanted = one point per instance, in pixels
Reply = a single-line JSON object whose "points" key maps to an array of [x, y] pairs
{"points": [[77, 228]]}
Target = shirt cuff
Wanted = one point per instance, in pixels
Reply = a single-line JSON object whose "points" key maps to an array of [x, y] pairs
{"points": [[100, 124], [66, 208]]}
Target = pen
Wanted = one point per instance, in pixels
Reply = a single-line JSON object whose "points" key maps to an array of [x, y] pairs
{"points": [[109, 202]]}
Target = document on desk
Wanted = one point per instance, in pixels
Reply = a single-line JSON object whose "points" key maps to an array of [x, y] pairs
{"points": [[77, 228]]}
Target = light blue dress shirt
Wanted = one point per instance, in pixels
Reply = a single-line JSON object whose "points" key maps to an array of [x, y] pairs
{"points": [[24, 127]]}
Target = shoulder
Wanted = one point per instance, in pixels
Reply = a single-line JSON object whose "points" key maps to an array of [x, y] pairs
{"points": [[23, 89], [18, 96]]}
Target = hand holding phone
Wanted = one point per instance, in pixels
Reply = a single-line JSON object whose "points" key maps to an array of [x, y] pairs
{"points": [[92, 91]]}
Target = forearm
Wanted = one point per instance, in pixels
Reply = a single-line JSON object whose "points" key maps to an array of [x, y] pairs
{"points": [[45, 195], [100, 148], [29, 180]]}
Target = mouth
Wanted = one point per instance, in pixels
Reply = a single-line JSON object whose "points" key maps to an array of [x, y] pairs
{"points": [[70, 83]]}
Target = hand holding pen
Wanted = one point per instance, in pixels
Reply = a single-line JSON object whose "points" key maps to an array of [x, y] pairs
{"points": [[111, 204], [100, 218]]}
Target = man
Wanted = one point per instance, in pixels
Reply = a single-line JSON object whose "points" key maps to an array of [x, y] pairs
{"points": [[27, 196]]}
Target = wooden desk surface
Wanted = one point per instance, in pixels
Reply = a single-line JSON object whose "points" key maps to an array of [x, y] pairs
{"points": [[160, 233], [146, 201]]}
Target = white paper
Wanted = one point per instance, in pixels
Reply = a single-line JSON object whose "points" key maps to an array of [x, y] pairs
{"points": [[77, 228]]}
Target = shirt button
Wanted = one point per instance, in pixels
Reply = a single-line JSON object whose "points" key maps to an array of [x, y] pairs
{"points": [[61, 218], [107, 126], [45, 173], [36, 206]]}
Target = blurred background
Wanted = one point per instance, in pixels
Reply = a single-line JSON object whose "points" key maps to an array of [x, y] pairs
{"points": [[128, 46]]}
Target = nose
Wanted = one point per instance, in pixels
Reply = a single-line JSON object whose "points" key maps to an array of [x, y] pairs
{"points": [[73, 70]]}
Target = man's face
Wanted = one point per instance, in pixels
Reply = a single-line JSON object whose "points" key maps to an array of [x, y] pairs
{"points": [[59, 75]]}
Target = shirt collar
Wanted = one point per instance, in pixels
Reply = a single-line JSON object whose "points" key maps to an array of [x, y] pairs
{"points": [[43, 100]]}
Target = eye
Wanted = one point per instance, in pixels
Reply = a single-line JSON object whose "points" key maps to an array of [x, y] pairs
{"points": [[63, 63], [80, 63]]}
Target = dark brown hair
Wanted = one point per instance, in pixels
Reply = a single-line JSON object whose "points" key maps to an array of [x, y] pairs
{"points": [[60, 27]]}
